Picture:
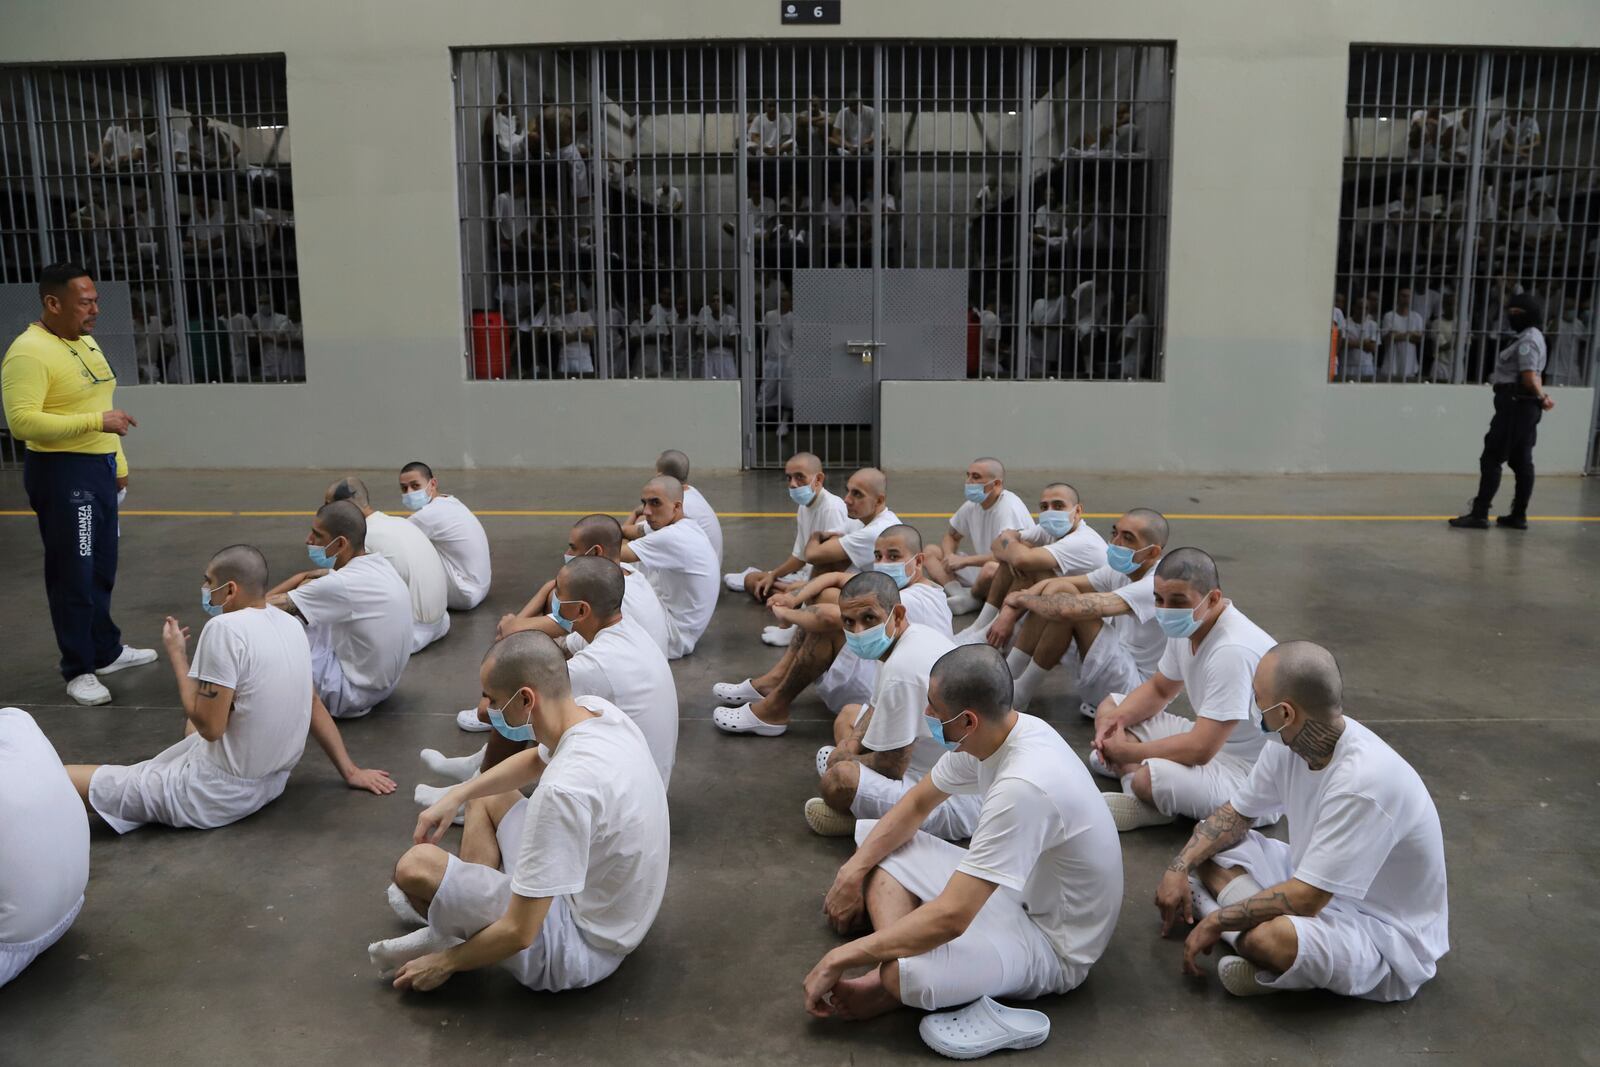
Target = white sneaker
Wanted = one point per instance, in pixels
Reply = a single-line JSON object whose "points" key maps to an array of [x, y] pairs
{"points": [[468, 720], [87, 690], [1239, 977], [128, 657], [1131, 813]]}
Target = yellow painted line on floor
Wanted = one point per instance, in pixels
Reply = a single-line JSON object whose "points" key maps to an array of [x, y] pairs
{"points": [[542, 514]]}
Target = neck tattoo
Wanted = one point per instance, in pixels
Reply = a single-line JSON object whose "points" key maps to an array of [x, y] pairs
{"points": [[1315, 742]]}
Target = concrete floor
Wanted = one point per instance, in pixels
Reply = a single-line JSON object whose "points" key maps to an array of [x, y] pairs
{"points": [[1472, 653]]}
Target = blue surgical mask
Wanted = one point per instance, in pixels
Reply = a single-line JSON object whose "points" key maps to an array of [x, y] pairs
{"points": [[497, 718], [319, 555], [414, 500], [1056, 523], [802, 494], [871, 643], [555, 613], [1177, 622], [567, 557], [1121, 560], [1261, 720], [974, 493], [897, 571], [205, 602], [936, 728]]}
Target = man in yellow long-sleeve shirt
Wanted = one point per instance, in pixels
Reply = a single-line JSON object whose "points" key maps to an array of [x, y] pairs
{"points": [[57, 388]]}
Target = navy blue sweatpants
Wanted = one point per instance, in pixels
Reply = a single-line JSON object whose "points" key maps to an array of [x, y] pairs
{"points": [[75, 499]]}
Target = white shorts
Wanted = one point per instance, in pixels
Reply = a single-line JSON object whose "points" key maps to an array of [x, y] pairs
{"points": [[14, 959], [1341, 947], [1179, 789], [849, 680], [677, 647], [472, 896], [179, 787], [1002, 954], [424, 634], [1109, 668], [343, 700], [954, 820]]}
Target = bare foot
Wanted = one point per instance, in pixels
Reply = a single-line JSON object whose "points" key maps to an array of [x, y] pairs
{"points": [[863, 998], [771, 716]]}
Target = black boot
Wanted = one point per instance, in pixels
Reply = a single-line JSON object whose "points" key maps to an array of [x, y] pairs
{"points": [[1474, 519], [1514, 521]]}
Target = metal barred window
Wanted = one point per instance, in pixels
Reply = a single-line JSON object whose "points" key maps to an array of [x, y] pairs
{"points": [[170, 182], [814, 219], [1468, 176]]}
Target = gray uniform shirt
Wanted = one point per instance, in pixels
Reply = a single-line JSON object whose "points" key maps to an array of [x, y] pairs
{"points": [[1527, 352]]}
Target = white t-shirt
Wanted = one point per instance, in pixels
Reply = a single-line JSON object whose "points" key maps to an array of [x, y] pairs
{"points": [[770, 133], [901, 695], [1044, 832], [1364, 829], [626, 668], [1401, 359], [679, 562], [641, 604], [824, 514], [856, 124], [576, 355], [698, 508], [1082, 550], [44, 833], [463, 547], [979, 527], [263, 656], [1218, 676], [858, 539], [367, 609], [414, 558], [1139, 632], [511, 211], [596, 831], [1360, 363], [927, 605]]}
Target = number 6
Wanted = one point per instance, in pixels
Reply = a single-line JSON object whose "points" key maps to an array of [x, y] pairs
{"points": [[816, 12]]}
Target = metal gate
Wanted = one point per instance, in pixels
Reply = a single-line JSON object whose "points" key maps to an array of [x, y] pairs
{"points": [[814, 220]]}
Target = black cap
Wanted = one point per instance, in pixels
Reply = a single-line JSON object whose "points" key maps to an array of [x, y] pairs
{"points": [[1532, 309]]}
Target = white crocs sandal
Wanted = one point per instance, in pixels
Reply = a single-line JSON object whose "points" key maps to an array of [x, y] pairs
{"points": [[742, 692], [1131, 813], [468, 721], [1098, 765], [822, 759], [741, 720], [983, 1027]]}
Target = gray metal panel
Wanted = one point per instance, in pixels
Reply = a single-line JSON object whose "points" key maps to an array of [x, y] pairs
{"points": [[113, 332], [831, 386], [924, 325]]}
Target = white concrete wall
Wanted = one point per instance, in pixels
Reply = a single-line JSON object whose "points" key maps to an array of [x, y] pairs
{"points": [[1258, 121]]}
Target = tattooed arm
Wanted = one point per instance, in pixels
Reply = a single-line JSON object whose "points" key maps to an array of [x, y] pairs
{"points": [[1220, 831], [1293, 897], [205, 704], [1071, 607], [891, 764]]}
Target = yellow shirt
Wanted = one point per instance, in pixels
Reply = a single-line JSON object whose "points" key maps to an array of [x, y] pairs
{"points": [[55, 392]]}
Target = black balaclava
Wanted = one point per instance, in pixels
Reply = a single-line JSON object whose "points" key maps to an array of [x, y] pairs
{"points": [[1531, 308]]}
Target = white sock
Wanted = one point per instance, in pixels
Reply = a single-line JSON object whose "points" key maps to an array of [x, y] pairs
{"points": [[1018, 661], [987, 615], [1241, 888], [456, 768], [953, 588], [389, 956], [428, 795], [1026, 686], [401, 905]]}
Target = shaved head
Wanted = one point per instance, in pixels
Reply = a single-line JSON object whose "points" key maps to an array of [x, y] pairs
{"points": [[419, 467], [351, 489], [1192, 566], [528, 659], [909, 539], [992, 468], [1072, 494], [808, 464], [1307, 676], [597, 582], [602, 530], [670, 488], [872, 481], [971, 678], [674, 464], [243, 565], [1153, 529], [341, 518], [879, 587]]}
